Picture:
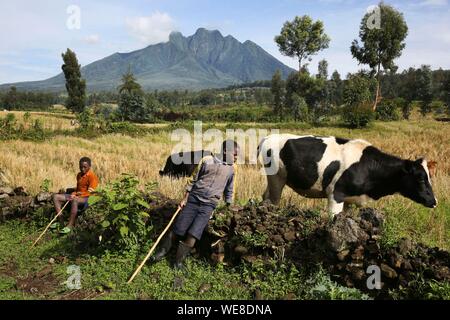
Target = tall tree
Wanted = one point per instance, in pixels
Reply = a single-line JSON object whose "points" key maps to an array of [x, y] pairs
{"points": [[322, 69], [75, 85], [380, 44], [424, 89], [299, 108], [10, 100], [336, 88], [357, 89], [131, 102], [445, 96], [302, 38], [129, 83], [277, 89]]}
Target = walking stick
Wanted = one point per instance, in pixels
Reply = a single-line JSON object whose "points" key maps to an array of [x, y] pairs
{"points": [[43, 232], [154, 246]]}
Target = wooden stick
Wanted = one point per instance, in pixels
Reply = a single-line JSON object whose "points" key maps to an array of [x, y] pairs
{"points": [[154, 246], [57, 215]]}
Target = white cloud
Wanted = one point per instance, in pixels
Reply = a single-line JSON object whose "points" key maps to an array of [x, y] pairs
{"points": [[151, 29], [434, 3], [92, 39]]}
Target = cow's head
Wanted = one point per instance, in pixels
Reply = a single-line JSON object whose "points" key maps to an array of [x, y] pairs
{"points": [[417, 182]]}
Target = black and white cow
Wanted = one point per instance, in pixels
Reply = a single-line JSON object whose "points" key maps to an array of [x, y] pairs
{"points": [[343, 171], [175, 168]]}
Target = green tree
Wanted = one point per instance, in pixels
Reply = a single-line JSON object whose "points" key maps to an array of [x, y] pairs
{"points": [[357, 112], [75, 85], [357, 89], [445, 95], [129, 84], [380, 44], [322, 69], [10, 100], [424, 88], [336, 87], [131, 106], [302, 38], [299, 108], [131, 100], [277, 89]]}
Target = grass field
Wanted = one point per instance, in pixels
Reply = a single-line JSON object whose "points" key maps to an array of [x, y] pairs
{"points": [[28, 163]]}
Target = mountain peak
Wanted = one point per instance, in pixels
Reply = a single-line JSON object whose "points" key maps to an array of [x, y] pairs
{"points": [[176, 36], [205, 59], [206, 32]]}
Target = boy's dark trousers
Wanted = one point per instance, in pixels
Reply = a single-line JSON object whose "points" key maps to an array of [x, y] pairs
{"points": [[192, 220]]}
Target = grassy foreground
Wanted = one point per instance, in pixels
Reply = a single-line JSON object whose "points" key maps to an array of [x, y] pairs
{"points": [[28, 163]]}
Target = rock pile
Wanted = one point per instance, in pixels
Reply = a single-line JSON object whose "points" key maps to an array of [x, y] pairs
{"points": [[16, 203], [348, 246]]}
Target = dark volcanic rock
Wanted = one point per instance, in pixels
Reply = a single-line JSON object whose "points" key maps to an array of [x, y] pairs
{"points": [[373, 216], [344, 233], [388, 271], [44, 197], [20, 191]]}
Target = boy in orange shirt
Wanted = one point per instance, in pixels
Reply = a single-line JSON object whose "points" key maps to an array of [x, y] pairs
{"points": [[87, 182]]}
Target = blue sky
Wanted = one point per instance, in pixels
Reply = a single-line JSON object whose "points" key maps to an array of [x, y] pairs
{"points": [[34, 33]]}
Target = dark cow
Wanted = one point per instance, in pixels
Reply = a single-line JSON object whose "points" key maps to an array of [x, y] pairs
{"points": [[175, 168], [343, 171]]}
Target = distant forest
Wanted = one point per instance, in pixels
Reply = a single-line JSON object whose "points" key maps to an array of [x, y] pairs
{"points": [[410, 85]]}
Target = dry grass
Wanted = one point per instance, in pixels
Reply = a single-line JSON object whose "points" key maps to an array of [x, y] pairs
{"points": [[29, 163], [50, 121]]}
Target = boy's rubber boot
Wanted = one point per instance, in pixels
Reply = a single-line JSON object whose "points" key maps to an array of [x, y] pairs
{"points": [[164, 248], [182, 252], [65, 230]]}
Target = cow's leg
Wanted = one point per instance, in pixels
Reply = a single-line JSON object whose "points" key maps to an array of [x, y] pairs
{"points": [[266, 193], [275, 185], [334, 207]]}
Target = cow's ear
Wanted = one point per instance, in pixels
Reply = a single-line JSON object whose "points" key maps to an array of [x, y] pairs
{"points": [[432, 167], [431, 164]]}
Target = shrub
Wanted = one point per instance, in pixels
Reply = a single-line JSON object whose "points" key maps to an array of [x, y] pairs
{"points": [[357, 89], [121, 207], [387, 110], [438, 107], [86, 119], [425, 108], [357, 116], [404, 106], [299, 108]]}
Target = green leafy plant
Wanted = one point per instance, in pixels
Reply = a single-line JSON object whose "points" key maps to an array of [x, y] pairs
{"points": [[388, 110], [254, 239], [123, 208], [46, 185]]}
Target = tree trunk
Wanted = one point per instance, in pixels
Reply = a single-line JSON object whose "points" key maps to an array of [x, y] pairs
{"points": [[378, 93]]}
